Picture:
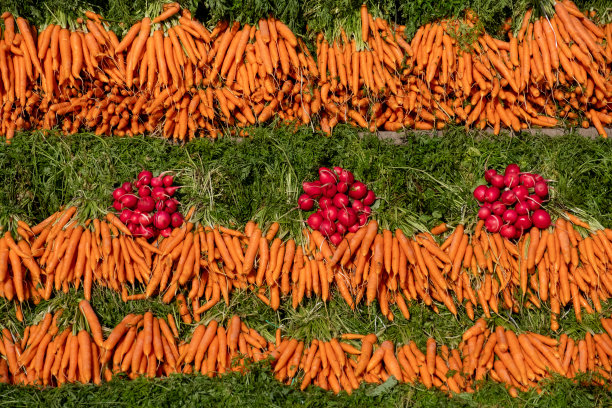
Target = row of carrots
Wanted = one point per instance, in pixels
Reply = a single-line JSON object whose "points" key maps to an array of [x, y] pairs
{"points": [[170, 75], [146, 345], [198, 266]]}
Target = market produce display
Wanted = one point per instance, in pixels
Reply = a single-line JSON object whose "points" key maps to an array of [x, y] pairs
{"points": [[170, 75], [150, 345]]}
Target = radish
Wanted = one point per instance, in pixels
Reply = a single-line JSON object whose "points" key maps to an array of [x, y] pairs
{"points": [[484, 213], [127, 186], [170, 191], [117, 205], [132, 227], [138, 184], [358, 190], [160, 205], [510, 216], [541, 219], [541, 189], [347, 217], [171, 205], [488, 174], [342, 187], [145, 176], [146, 204], [508, 231], [145, 219], [176, 219], [366, 210], [341, 200], [521, 193], [144, 191], [312, 188], [340, 229], [498, 208], [161, 220], [147, 232], [314, 221], [135, 217], [329, 190], [497, 180], [330, 213], [327, 228], [157, 182], [538, 177], [168, 180], [534, 202], [493, 223], [362, 219], [346, 176], [118, 193], [523, 222], [369, 198], [512, 168], [521, 208], [492, 194], [508, 197], [125, 215], [305, 202], [129, 200], [357, 206], [166, 232], [336, 239], [325, 202], [354, 228], [479, 193], [528, 180], [158, 193], [326, 176], [511, 180], [337, 170]]}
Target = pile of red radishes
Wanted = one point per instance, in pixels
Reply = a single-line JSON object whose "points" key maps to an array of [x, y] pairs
{"points": [[512, 202], [147, 206], [342, 203]]}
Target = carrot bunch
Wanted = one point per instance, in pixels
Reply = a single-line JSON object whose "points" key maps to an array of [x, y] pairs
{"points": [[145, 345]]}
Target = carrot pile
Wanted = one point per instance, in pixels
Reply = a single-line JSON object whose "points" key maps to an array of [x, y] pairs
{"points": [[145, 345], [170, 75], [198, 266]]}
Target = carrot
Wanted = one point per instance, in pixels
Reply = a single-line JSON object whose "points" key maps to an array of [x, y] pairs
{"points": [[166, 14]]}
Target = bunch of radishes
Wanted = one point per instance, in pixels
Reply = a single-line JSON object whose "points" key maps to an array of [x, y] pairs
{"points": [[511, 203], [343, 203], [147, 206]]}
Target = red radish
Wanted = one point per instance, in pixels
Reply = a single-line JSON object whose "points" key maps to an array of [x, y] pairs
{"points": [[369, 198], [342, 187], [170, 191], [484, 213], [508, 197], [312, 188], [329, 190], [160, 205], [523, 222], [145, 177], [528, 180], [127, 186], [117, 205], [157, 182], [538, 177], [146, 232], [305, 202], [493, 223], [366, 210], [138, 184], [176, 219], [125, 215], [330, 213], [479, 192], [158, 193], [135, 217], [511, 180], [518, 233], [171, 205], [132, 227], [498, 208], [354, 228], [336, 239], [497, 180], [166, 232], [512, 168], [118, 193], [357, 206], [168, 180], [145, 219], [521, 208], [541, 219], [489, 173], [161, 220], [521, 193], [488, 205], [326, 176], [325, 202], [510, 216], [508, 231], [362, 219], [327, 228], [346, 176], [341, 200], [347, 217], [358, 190], [492, 194], [541, 189], [146, 204], [340, 229], [129, 200], [315, 220], [337, 170], [534, 202], [144, 191]]}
